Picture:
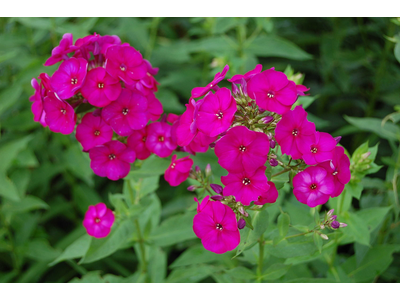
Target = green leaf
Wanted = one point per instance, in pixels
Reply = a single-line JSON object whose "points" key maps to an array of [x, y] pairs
{"points": [[273, 46], [389, 131], [286, 250], [173, 230], [242, 273], [100, 248], [151, 167], [306, 101], [8, 188], [9, 96], [357, 228], [40, 249], [9, 151], [78, 163], [318, 241], [283, 227], [354, 189], [157, 265], [397, 52], [190, 274], [248, 237], [27, 204], [141, 187], [196, 255], [373, 216], [275, 271], [77, 249]]}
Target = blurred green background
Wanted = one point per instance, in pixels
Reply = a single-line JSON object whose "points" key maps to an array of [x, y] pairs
{"points": [[349, 64]]}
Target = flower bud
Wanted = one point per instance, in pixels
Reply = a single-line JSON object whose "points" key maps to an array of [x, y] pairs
{"points": [[261, 110], [267, 119], [212, 145], [243, 86], [192, 188], [329, 213], [208, 170], [273, 162], [343, 224], [324, 236], [216, 188], [335, 225], [365, 155], [217, 197], [333, 218], [322, 226], [337, 139], [272, 144], [243, 212], [241, 223], [198, 170], [235, 90]]}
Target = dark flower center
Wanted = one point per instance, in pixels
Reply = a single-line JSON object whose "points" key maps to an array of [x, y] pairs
{"points": [[161, 139], [100, 85], [219, 227], [173, 166], [111, 156], [125, 111], [74, 81], [122, 67], [295, 132], [270, 94], [242, 148], [314, 150], [63, 111], [246, 181], [335, 173], [97, 133], [313, 186], [97, 220], [219, 115], [144, 139]]}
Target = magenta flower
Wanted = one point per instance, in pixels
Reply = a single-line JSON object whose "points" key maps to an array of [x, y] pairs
{"points": [[313, 186], [39, 114], [60, 52], [69, 77], [294, 133], [60, 116], [246, 186], [154, 107], [217, 228], [178, 171], [98, 220], [127, 113], [199, 144], [204, 205], [93, 131], [242, 149], [269, 197], [201, 91], [159, 139], [339, 167], [301, 89], [187, 128], [125, 63], [100, 89], [137, 142], [321, 150], [216, 113], [272, 91], [111, 160], [238, 78]]}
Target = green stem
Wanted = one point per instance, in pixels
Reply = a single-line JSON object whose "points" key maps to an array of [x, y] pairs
{"points": [[12, 244], [142, 249], [153, 35], [260, 258]]}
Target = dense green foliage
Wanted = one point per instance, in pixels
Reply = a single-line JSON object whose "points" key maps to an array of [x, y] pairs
{"points": [[46, 183]]}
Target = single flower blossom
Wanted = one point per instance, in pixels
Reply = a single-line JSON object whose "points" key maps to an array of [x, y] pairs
{"points": [[125, 63], [272, 91], [313, 186], [238, 78], [246, 186], [98, 220], [154, 107], [201, 91], [199, 144], [159, 139], [217, 228], [294, 133], [137, 142], [242, 149], [187, 128], [301, 89], [127, 113], [60, 116], [268, 197], [39, 114], [339, 168], [216, 113], [111, 160], [60, 52], [100, 89], [93, 131], [321, 149], [69, 77], [178, 171]]}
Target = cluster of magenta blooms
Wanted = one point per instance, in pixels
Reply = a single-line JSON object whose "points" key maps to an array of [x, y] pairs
{"points": [[104, 90]]}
